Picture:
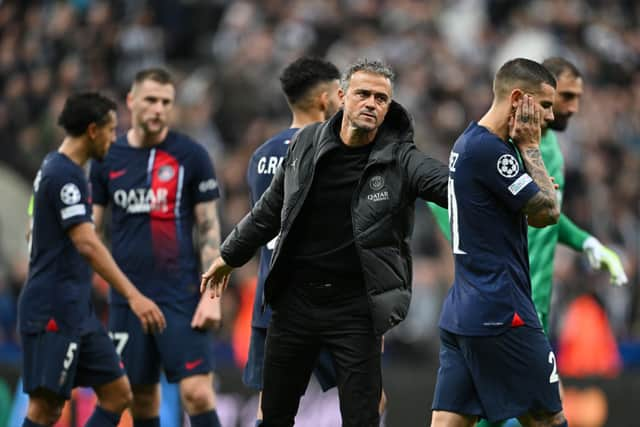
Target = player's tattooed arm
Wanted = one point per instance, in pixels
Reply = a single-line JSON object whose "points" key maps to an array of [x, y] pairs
{"points": [[208, 229], [542, 209], [525, 130]]}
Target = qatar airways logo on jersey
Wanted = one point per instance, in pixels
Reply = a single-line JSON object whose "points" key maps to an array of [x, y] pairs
{"points": [[142, 200]]}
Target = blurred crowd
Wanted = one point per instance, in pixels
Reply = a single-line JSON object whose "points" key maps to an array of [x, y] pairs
{"points": [[226, 56]]}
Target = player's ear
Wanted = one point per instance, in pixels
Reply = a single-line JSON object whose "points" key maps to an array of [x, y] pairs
{"points": [[323, 100], [515, 96], [130, 100], [92, 131], [341, 94]]}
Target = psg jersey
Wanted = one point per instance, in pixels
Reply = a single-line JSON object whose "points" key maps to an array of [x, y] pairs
{"points": [[488, 187], [58, 286], [262, 167], [152, 192]]}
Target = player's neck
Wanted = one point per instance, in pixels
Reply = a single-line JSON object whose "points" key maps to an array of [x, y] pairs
{"points": [[304, 118], [76, 149], [137, 138], [496, 121]]}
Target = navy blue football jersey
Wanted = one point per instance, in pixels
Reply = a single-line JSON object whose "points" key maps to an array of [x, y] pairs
{"points": [[58, 286], [152, 193], [262, 167], [488, 187]]}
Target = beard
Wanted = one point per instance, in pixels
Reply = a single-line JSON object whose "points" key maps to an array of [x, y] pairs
{"points": [[560, 122]]}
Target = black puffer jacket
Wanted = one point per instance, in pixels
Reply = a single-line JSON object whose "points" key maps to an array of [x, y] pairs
{"points": [[382, 210]]}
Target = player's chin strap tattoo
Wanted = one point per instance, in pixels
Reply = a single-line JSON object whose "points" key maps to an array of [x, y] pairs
{"points": [[545, 203], [208, 228]]}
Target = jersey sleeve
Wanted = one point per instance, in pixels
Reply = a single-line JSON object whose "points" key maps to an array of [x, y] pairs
{"points": [[204, 186], [69, 195], [99, 183], [498, 168]]}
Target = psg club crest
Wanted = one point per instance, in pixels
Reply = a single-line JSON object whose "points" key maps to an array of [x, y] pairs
{"points": [[165, 173], [508, 166], [376, 183], [70, 194]]}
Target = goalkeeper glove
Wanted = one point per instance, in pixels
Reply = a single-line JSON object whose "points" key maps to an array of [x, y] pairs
{"points": [[600, 257]]}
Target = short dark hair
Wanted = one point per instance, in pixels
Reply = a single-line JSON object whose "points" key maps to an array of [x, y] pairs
{"points": [[523, 73], [303, 74], [82, 109], [157, 74], [369, 66], [557, 66]]}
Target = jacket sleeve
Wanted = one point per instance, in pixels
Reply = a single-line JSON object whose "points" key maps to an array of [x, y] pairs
{"points": [[428, 178], [259, 226]]}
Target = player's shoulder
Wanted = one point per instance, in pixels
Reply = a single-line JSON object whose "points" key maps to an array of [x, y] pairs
{"points": [[179, 142], [56, 164], [277, 145]]}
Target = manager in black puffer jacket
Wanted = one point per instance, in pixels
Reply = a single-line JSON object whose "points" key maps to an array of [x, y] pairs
{"points": [[343, 202]]}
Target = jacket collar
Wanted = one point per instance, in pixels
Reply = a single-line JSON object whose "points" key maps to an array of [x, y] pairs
{"points": [[397, 128]]}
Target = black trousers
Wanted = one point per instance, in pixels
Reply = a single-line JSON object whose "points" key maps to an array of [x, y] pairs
{"points": [[307, 318]]}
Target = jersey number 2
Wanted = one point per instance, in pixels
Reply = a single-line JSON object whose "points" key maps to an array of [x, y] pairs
{"points": [[553, 378]]}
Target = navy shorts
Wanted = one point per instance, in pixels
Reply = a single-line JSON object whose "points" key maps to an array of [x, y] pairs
{"points": [[180, 350], [58, 362], [497, 377], [324, 371]]}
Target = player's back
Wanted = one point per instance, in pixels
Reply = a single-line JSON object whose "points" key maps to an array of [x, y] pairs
{"points": [[59, 281], [487, 190], [262, 167]]}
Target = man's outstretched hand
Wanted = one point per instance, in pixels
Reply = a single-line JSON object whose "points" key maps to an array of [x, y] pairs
{"points": [[600, 257], [216, 278]]}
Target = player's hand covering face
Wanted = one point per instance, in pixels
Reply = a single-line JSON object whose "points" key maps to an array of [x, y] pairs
{"points": [[525, 124], [216, 278]]}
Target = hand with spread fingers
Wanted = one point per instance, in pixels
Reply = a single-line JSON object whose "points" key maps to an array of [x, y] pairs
{"points": [[216, 278], [524, 125]]}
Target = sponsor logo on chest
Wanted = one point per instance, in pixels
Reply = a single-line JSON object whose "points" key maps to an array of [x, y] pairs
{"points": [[376, 183], [142, 200]]}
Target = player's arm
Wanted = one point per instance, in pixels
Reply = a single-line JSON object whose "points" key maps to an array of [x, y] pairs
{"points": [[599, 256], [208, 313], [428, 177], [542, 209], [98, 219], [93, 250], [257, 228]]}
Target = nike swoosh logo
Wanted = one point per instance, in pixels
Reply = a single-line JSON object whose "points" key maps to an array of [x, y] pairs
{"points": [[117, 174], [192, 365]]}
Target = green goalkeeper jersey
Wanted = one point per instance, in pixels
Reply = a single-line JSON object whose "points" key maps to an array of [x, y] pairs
{"points": [[542, 241]]}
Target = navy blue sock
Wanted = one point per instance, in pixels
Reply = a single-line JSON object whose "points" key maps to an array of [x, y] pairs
{"points": [[28, 423], [258, 423], [146, 422], [103, 418], [205, 419]]}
